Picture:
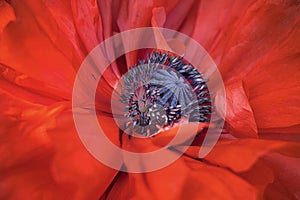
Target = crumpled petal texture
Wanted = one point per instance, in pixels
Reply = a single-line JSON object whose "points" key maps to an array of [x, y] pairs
{"points": [[255, 45], [7, 15]]}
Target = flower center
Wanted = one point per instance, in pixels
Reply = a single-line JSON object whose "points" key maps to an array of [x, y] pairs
{"points": [[161, 92]]}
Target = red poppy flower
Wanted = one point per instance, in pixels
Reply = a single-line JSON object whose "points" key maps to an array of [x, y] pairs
{"points": [[256, 47]]}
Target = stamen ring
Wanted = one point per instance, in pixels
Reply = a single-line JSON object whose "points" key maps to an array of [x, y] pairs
{"points": [[85, 87]]}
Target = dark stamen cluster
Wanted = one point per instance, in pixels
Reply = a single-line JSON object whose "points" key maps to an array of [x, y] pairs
{"points": [[174, 114], [202, 106], [161, 91]]}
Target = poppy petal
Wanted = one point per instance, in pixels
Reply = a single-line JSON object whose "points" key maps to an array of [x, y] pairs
{"points": [[211, 29], [254, 40], [278, 174], [26, 151], [56, 19], [37, 58], [259, 176], [87, 22], [287, 176], [21, 86], [274, 85], [176, 17], [185, 178], [158, 20], [79, 169], [238, 155], [6, 15], [134, 14], [34, 143], [239, 115]]}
